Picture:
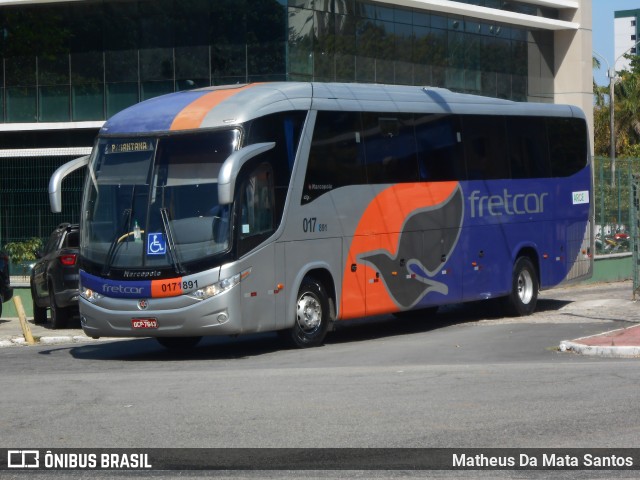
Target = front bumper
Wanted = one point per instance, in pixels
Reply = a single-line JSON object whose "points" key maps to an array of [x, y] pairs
{"points": [[180, 316]]}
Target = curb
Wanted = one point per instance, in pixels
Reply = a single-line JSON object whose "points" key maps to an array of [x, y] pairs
{"points": [[53, 340], [597, 350], [612, 350]]}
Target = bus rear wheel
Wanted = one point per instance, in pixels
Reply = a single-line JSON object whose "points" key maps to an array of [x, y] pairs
{"points": [[524, 289], [312, 316]]}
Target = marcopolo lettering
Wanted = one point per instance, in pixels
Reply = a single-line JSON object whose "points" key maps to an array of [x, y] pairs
{"points": [[506, 204]]}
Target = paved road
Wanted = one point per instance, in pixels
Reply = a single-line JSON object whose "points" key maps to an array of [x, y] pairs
{"points": [[466, 378]]}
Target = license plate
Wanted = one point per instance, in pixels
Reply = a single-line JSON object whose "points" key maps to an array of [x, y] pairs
{"points": [[144, 323]]}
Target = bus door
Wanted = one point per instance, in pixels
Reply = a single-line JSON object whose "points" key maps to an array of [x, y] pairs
{"points": [[256, 223]]}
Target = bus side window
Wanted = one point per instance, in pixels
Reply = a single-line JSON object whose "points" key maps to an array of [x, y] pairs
{"points": [[284, 129], [439, 153], [390, 147], [528, 152], [567, 149], [336, 155], [484, 139], [256, 215]]}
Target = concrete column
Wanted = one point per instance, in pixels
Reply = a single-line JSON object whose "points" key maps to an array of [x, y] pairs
{"points": [[573, 62]]}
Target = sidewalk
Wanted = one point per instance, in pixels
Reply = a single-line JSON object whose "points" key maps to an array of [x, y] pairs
{"points": [[11, 333], [623, 342]]}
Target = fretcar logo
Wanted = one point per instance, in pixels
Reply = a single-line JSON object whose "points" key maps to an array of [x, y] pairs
{"points": [[121, 289], [507, 203]]}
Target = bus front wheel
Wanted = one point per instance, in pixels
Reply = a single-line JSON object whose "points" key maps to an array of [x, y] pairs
{"points": [[312, 316], [524, 289]]}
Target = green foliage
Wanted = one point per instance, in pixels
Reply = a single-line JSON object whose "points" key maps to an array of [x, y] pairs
{"points": [[626, 113], [23, 251]]}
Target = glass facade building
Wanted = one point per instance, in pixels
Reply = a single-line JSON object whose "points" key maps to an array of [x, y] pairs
{"points": [[69, 65], [80, 61]]}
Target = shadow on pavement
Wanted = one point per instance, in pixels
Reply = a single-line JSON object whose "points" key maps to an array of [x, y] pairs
{"points": [[248, 346]]}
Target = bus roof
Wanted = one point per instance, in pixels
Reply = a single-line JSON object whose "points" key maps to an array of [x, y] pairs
{"points": [[228, 105]]}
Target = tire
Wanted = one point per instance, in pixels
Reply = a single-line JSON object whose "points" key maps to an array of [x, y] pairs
{"points": [[312, 316], [39, 313], [178, 343], [524, 289], [59, 316]]}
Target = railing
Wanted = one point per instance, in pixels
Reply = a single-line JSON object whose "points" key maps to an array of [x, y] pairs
{"points": [[613, 212]]}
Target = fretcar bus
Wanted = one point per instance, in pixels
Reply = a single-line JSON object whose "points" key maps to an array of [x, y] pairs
{"points": [[291, 206]]}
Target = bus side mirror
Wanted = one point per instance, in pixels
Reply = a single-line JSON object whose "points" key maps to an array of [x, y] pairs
{"points": [[55, 183], [231, 167]]}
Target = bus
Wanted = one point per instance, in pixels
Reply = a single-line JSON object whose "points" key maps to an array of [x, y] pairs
{"points": [[292, 206]]}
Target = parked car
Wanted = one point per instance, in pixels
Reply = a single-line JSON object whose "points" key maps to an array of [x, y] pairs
{"points": [[6, 292], [55, 277]]}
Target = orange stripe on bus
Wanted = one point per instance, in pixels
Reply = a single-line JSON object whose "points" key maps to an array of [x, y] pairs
{"points": [[193, 114]]}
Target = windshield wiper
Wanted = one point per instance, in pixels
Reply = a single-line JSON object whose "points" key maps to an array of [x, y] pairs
{"points": [[127, 214], [125, 228], [171, 244]]}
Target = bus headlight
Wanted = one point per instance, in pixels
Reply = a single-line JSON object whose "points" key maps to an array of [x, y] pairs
{"points": [[217, 288], [90, 295]]}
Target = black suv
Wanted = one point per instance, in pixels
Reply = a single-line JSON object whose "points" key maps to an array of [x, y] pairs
{"points": [[55, 277], [6, 292]]}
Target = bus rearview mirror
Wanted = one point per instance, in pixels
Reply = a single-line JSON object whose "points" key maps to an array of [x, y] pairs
{"points": [[231, 167], [55, 183]]}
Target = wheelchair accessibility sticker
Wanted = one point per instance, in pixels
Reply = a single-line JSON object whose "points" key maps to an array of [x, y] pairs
{"points": [[156, 244]]}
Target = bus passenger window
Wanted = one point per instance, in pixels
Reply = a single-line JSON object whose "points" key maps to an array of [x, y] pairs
{"points": [[336, 155], [567, 148], [528, 152], [390, 147], [484, 139], [439, 153]]}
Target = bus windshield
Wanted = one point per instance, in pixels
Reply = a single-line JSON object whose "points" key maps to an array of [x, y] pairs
{"points": [[152, 203]]}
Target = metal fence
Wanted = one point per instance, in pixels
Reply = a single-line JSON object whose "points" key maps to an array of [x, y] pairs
{"points": [[613, 212], [635, 229], [24, 200]]}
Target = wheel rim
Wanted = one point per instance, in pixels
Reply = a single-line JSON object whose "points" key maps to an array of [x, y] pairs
{"points": [[525, 287], [309, 313]]}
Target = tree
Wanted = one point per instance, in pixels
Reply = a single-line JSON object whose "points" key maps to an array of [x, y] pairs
{"points": [[627, 108], [627, 112]]}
